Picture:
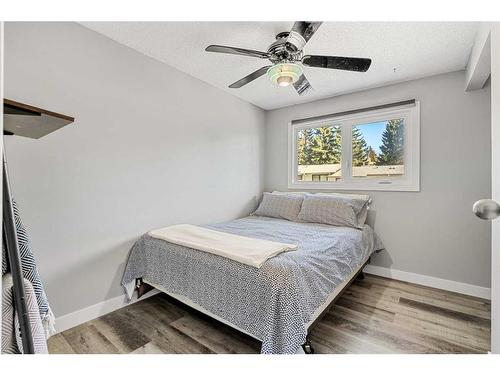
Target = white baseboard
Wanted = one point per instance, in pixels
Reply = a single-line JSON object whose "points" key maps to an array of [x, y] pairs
{"points": [[99, 309], [88, 313], [433, 282]]}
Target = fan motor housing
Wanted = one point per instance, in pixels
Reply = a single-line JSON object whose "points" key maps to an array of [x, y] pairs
{"points": [[284, 49]]}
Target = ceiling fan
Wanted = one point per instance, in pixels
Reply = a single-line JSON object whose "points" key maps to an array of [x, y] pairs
{"points": [[287, 59]]}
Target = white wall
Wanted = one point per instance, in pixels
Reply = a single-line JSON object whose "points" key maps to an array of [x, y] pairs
{"points": [[477, 71], [432, 232], [150, 146]]}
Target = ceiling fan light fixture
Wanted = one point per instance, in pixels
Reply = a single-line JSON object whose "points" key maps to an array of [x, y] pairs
{"points": [[284, 74], [284, 81]]}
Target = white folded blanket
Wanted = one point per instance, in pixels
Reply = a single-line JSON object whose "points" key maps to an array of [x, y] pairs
{"points": [[251, 251]]}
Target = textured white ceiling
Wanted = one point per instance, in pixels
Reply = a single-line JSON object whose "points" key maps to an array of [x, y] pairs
{"points": [[400, 51]]}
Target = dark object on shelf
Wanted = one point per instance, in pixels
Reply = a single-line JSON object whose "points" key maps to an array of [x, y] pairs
{"points": [[27, 121]]}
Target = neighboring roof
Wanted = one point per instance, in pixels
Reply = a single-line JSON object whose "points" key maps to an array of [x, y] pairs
{"points": [[321, 168], [366, 170]]}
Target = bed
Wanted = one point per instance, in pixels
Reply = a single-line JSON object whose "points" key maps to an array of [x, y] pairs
{"points": [[277, 303]]}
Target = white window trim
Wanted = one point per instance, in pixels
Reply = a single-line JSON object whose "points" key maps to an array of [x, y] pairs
{"points": [[411, 180]]}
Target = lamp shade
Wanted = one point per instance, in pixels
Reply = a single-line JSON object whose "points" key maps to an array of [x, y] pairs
{"points": [[284, 74]]}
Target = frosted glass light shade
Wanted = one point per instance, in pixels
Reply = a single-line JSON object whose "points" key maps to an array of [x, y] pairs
{"points": [[284, 74]]}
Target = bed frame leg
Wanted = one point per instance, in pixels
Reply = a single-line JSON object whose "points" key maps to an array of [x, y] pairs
{"points": [[361, 276], [307, 346]]}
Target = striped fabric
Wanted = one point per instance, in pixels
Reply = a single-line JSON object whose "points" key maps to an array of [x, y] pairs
{"points": [[333, 210], [11, 337], [280, 206], [30, 272], [360, 202]]}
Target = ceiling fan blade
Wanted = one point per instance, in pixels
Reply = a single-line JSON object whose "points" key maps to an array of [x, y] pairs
{"points": [[301, 32], [355, 64], [237, 51], [302, 86], [306, 29], [249, 78]]}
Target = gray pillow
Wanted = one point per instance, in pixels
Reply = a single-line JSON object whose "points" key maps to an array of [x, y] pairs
{"points": [[360, 202], [333, 210], [280, 206]]}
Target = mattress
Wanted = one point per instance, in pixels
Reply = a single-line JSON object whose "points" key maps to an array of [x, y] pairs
{"points": [[274, 303]]}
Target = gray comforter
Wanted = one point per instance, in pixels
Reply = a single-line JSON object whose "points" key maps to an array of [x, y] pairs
{"points": [[275, 302]]}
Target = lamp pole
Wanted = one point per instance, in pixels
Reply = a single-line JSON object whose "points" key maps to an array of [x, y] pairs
{"points": [[12, 247]]}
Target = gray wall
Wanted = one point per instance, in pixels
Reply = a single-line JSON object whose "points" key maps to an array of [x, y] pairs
{"points": [[431, 232], [150, 146]]}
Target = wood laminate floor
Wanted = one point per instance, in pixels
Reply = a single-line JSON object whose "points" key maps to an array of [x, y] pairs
{"points": [[375, 315]]}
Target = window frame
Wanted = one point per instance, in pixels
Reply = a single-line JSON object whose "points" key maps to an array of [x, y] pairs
{"points": [[409, 182]]}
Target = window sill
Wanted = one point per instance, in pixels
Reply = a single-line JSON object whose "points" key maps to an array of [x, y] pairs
{"points": [[355, 186]]}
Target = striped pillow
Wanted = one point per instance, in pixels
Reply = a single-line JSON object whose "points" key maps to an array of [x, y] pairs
{"points": [[280, 206], [333, 210], [360, 202]]}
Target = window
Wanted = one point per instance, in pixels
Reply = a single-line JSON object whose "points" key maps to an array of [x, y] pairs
{"points": [[378, 149], [319, 153], [372, 150]]}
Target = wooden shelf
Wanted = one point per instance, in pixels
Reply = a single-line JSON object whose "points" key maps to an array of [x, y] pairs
{"points": [[29, 121]]}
